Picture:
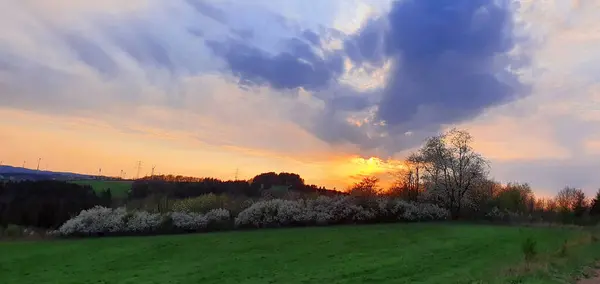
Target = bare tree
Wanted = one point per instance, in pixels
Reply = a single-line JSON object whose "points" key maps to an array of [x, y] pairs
{"points": [[450, 168], [407, 183], [368, 186], [569, 198]]}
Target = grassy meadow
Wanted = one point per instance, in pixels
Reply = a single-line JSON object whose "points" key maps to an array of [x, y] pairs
{"points": [[391, 253], [118, 188]]}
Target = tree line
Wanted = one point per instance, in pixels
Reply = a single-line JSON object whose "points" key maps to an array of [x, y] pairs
{"points": [[45, 204], [178, 187], [445, 171], [48, 204]]}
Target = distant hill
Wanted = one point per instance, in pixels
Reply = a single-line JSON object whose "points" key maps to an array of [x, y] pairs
{"points": [[17, 173]]}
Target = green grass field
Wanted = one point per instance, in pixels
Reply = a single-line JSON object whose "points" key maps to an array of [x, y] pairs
{"points": [[118, 188], [400, 253]]}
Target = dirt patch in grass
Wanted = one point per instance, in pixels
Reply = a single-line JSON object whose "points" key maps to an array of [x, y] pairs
{"points": [[591, 275]]}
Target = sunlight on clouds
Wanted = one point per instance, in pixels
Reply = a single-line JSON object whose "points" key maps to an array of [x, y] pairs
{"points": [[374, 165], [189, 115], [353, 14], [79, 144], [362, 79]]}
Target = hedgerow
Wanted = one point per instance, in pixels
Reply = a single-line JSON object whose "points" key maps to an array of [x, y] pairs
{"points": [[261, 214]]}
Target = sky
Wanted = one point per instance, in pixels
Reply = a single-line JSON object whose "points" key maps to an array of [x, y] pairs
{"points": [[332, 90]]}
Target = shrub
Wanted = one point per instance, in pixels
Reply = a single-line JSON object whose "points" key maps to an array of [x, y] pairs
{"points": [[495, 215], [189, 222], [151, 203], [431, 212], [97, 220], [529, 248], [107, 221], [334, 210], [398, 209], [218, 218], [267, 213], [272, 213], [142, 221], [12, 231], [337, 210], [564, 249], [200, 204]]}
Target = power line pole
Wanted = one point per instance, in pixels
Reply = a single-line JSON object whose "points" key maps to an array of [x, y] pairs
{"points": [[152, 174], [38, 165], [24, 162], [139, 167], [237, 171]]}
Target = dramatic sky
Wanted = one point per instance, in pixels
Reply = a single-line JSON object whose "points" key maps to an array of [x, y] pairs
{"points": [[331, 90]]}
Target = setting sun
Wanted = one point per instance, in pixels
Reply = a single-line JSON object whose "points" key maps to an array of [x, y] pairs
{"points": [[357, 167]]}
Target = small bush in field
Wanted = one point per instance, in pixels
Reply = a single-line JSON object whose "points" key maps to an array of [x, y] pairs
{"points": [[96, 220], [529, 249], [12, 231], [564, 249]]}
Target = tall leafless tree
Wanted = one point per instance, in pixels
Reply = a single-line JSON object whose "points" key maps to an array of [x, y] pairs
{"points": [[450, 168]]}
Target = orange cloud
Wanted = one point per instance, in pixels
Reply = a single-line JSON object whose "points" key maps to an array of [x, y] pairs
{"points": [[84, 145]]}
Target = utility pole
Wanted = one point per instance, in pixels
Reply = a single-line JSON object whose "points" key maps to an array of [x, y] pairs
{"points": [[24, 162], [38, 165], [139, 166], [121, 174], [237, 171], [152, 174]]}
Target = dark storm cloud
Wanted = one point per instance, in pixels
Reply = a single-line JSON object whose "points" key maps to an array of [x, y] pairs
{"points": [[449, 61], [298, 66], [446, 67], [368, 44]]}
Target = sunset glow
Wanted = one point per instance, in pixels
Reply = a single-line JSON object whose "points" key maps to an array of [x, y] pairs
{"points": [[274, 86]]}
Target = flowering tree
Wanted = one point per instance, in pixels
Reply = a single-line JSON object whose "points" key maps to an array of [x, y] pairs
{"points": [[450, 168]]}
